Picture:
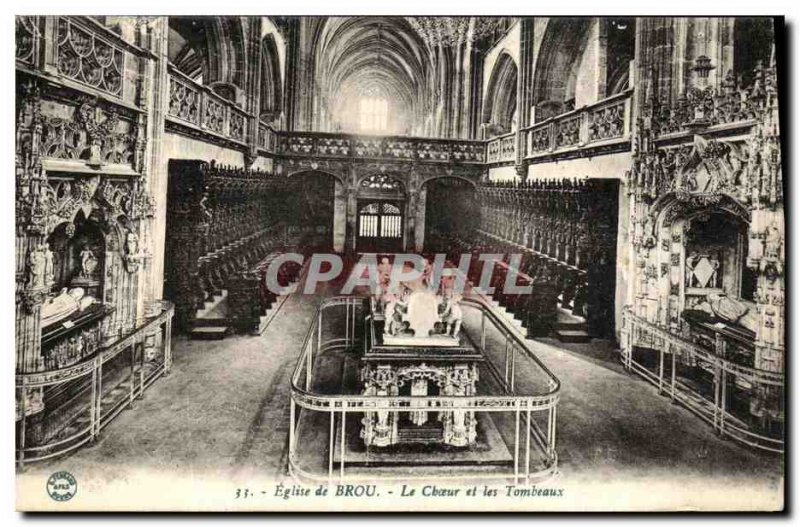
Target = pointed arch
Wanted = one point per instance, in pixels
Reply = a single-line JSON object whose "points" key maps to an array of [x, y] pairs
{"points": [[562, 45], [500, 100], [271, 85]]}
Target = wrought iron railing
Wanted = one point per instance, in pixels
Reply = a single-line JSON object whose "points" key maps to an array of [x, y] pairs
{"points": [[662, 358], [529, 401], [79, 401], [604, 122]]}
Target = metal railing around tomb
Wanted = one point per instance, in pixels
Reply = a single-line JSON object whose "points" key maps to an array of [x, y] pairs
{"points": [[717, 390], [81, 400], [522, 406]]}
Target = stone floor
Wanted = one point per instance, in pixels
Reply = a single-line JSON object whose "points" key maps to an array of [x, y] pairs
{"points": [[223, 413]]}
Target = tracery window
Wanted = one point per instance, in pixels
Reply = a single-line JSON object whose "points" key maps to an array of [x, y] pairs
{"points": [[373, 114], [382, 182]]}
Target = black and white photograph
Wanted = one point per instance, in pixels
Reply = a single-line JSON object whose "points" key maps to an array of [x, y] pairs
{"points": [[443, 262]]}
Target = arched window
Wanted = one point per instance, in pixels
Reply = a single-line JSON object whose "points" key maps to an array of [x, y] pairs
{"points": [[373, 114]]}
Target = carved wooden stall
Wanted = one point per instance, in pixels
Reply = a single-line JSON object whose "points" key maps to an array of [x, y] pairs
{"points": [[450, 205], [559, 227], [706, 312], [222, 223], [89, 337]]}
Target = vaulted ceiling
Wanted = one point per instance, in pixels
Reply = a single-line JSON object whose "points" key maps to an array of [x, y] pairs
{"points": [[358, 56]]}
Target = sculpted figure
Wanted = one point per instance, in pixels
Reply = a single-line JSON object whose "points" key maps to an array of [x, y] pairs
{"points": [[393, 313], [773, 242], [65, 304], [452, 315], [731, 310], [390, 302], [714, 261], [132, 243], [49, 273], [36, 268], [384, 272], [427, 271], [88, 262], [691, 261]]}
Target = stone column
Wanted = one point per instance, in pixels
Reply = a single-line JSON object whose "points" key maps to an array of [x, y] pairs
{"points": [[340, 202], [351, 211], [253, 88], [524, 92], [156, 165], [419, 230]]}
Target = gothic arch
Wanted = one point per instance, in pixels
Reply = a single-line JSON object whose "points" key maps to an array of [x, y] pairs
{"points": [[271, 85], [673, 206], [210, 47], [426, 180], [311, 171], [562, 45], [620, 44], [500, 100], [376, 55]]}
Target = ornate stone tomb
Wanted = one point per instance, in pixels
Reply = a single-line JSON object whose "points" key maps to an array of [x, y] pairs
{"points": [[429, 362]]}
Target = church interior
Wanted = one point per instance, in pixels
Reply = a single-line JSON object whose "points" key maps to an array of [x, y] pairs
{"points": [[626, 170]]}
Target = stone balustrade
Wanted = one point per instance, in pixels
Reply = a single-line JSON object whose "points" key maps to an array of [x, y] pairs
{"points": [[598, 125]]}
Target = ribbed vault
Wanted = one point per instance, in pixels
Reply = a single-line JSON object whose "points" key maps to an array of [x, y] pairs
{"points": [[378, 56]]}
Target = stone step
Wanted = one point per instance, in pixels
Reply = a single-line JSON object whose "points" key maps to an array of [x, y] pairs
{"points": [[210, 305], [208, 333], [210, 322], [565, 335], [570, 326]]}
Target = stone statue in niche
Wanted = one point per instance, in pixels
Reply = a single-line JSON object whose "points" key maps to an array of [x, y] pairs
{"points": [[131, 252], [691, 261], [49, 268], [88, 262], [690, 181], [773, 242], [37, 263], [132, 243], [714, 261]]}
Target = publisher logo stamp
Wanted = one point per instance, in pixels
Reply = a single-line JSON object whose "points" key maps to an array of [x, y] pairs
{"points": [[61, 486]]}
